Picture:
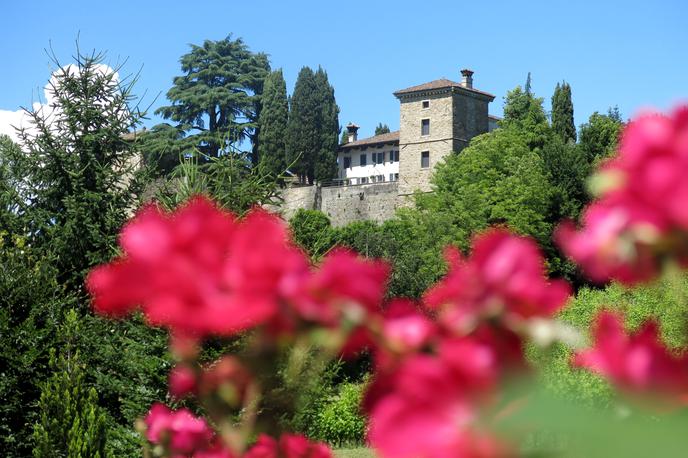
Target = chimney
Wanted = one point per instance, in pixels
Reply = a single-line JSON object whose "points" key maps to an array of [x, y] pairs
{"points": [[467, 78], [352, 129]]}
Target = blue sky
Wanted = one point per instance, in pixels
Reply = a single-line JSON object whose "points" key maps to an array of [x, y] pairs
{"points": [[633, 54]]}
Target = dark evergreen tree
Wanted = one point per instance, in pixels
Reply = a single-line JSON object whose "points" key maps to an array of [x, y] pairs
{"points": [[272, 139], [381, 129], [216, 102], [527, 87], [303, 135], [84, 175], [325, 167], [562, 113]]}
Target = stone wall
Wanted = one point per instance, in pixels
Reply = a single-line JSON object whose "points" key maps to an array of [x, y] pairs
{"points": [[342, 204], [346, 204], [294, 198]]}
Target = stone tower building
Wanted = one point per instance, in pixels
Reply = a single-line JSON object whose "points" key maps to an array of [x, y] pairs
{"points": [[436, 119], [376, 175]]}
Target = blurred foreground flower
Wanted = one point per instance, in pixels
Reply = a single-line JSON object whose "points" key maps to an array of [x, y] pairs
{"points": [[641, 217]]}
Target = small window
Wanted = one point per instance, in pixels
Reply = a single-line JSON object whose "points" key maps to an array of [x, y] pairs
{"points": [[396, 177], [425, 127], [380, 178], [426, 104], [425, 159], [347, 162], [363, 180], [391, 177], [364, 159], [381, 157]]}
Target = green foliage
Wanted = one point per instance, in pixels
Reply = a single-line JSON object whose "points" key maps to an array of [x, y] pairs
{"points": [[562, 113], [71, 423], [83, 177], [665, 300], [217, 99], [496, 180], [66, 201], [272, 139], [312, 231], [340, 422], [381, 129], [600, 135], [230, 180], [162, 147]]}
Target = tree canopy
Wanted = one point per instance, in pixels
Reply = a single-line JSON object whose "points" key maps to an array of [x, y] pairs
{"points": [[562, 113], [217, 99]]}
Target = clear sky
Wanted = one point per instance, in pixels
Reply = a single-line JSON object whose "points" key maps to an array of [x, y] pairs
{"points": [[631, 53]]}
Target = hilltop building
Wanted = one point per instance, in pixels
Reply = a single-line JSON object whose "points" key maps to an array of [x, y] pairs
{"points": [[377, 174]]}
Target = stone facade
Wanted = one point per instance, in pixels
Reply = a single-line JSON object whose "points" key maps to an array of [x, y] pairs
{"points": [[454, 115]]}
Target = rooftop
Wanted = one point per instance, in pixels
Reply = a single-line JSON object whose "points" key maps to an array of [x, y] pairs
{"points": [[392, 137], [441, 83]]}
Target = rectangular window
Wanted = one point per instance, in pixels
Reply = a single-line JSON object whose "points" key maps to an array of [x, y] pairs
{"points": [[347, 162], [396, 177], [363, 180], [380, 178], [396, 156], [364, 159], [425, 127], [425, 159], [426, 104], [391, 177], [381, 157]]}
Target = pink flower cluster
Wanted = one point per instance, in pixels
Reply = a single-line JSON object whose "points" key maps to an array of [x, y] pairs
{"points": [[641, 217], [639, 362], [433, 375], [202, 272]]}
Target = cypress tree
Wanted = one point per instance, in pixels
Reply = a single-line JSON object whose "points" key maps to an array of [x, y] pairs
{"points": [[527, 87], [274, 116], [562, 113], [325, 167], [381, 129], [303, 137]]}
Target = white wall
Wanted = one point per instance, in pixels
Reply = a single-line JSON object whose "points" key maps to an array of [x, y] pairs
{"points": [[356, 171]]}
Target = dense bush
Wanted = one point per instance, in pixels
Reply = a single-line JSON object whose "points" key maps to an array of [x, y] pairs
{"points": [[341, 423]]}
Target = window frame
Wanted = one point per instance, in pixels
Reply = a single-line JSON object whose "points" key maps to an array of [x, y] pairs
{"points": [[425, 156], [425, 122]]}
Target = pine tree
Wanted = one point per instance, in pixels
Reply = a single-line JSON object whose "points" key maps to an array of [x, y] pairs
{"points": [[382, 129], [272, 138], [71, 422], [84, 174], [325, 167], [303, 133], [562, 113], [527, 87], [217, 99]]}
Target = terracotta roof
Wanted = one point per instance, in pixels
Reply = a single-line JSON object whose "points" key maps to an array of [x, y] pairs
{"points": [[392, 137], [439, 84], [496, 118]]}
